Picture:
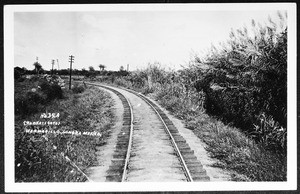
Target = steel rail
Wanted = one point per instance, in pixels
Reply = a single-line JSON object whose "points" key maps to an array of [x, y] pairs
{"points": [[130, 141], [131, 127], [187, 172], [185, 168]]}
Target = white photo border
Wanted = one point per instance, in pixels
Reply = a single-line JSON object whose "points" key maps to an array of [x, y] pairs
{"points": [[12, 186]]}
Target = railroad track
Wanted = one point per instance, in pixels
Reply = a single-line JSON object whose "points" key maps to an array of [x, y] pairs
{"points": [[117, 172]]}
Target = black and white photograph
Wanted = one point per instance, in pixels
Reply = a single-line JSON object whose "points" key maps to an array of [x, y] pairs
{"points": [[150, 97]]}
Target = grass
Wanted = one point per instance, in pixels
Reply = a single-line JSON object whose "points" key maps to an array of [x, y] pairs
{"points": [[237, 152], [50, 157], [246, 159]]}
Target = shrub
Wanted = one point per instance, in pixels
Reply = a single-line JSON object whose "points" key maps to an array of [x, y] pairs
{"points": [[52, 91], [17, 74], [247, 77], [32, 102], [122, 81], [45, 86], [29, 104], [78, 89], [34, 78], [148, 90], [57, 92], [269, 133], [21, 79]]}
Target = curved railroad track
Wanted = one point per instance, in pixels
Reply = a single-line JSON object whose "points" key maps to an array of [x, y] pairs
{"points": [[120, 168]]}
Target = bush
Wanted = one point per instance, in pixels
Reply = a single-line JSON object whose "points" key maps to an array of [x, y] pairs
{"points": [[34, 78], [32, 102], [78, 89], [17, 74], [269, 133], [122, 81], [52, 91], [21, 79], [45, 86], [29, 104], [248, 77]]}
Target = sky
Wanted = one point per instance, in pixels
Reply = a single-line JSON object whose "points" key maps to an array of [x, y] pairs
{"points": [[118, 38]]}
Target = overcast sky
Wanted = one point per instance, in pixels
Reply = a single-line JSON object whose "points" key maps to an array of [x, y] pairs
{"points": [[118, 38]]}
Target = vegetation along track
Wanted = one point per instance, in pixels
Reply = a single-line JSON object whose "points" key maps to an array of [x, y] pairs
{"points": [[180, 159]]}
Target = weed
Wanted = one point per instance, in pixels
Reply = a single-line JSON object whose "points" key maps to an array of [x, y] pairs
{"points": [[78, 89], [42, 157], [237, 152], [29, 104], [53, 91]]}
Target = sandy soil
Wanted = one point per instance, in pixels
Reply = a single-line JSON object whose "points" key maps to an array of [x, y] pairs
{"points": [[105, 152]]}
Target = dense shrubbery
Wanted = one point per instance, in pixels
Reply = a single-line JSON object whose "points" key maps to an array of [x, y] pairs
{"points": [[52, 91], [28, 104], [49, 157], [78, 89], [33, 100], [247, 78]]}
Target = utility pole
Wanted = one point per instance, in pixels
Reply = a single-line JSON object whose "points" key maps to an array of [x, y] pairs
{"points": [[57, 64], [52, 66], [127, 67], [71, 60]]}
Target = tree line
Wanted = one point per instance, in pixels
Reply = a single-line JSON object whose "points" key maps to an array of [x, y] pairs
{"points": [[91, 72]]}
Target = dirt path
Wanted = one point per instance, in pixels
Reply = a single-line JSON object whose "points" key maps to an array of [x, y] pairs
{"points": [[105, 153]]}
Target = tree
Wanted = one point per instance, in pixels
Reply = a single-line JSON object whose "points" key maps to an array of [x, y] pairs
{"points": [[122, 68], [91, 68], [83, 71], [18, 72], [37, 67], [92, 72], [102, 67]]}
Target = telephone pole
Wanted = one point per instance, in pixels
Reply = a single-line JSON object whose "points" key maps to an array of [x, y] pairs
{"points": [[57, 64], [52, 66], [71, 60]]}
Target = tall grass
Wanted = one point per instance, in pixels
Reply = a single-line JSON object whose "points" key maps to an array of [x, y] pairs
{"points": [[246, 83]]}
